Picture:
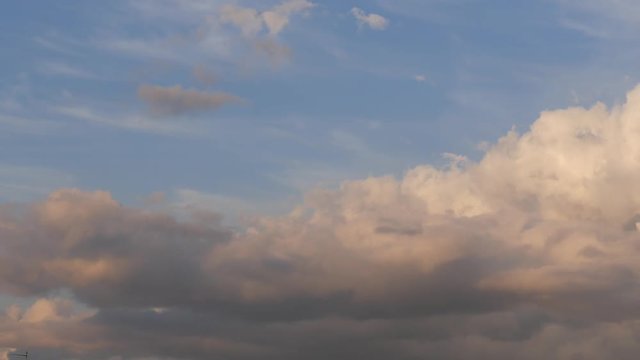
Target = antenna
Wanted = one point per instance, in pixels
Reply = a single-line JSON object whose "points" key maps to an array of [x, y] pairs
{"points": [[25, 355]]}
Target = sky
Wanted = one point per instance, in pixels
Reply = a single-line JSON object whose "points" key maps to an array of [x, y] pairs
{"points": [[313, 179]]}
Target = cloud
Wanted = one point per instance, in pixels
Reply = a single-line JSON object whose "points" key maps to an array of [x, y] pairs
{"points": [[275, 51], [4, 353], [261, 28], [62, 69], [530, 252], [601, 19], [625, 10], [277, 18], [175, 100], [420, 78], [50, 309], [252, 22], [155, 125], [248, 20], [93, 248], [373, 21], [204, 75], [219, 34]]}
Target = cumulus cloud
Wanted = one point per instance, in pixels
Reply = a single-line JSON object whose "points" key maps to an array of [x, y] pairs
{"points": [[531, 252], [175, 100], [373, 21]]}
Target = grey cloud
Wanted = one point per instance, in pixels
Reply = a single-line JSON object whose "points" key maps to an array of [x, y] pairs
{"points": [[501, 335], [175, 100], [106, 254]]}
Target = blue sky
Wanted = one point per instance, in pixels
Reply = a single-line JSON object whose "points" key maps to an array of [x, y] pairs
{"points": [[344, 104]]}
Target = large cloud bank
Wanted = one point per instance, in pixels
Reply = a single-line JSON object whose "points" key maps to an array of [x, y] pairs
{"points": [[531, 253]]}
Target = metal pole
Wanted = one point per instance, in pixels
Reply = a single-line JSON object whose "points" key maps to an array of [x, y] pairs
{"points": [[25, 355]]}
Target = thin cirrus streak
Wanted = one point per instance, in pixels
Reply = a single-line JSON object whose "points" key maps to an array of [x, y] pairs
{"points": [[533, 250]]}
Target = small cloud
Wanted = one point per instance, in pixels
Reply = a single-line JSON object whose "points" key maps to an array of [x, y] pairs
{"points": [[175, 100], [420, 78], [373, 21], [277, 18]]}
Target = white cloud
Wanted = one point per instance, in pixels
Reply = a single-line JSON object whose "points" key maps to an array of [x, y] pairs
{"points": [[373, 21], [252, 22]]}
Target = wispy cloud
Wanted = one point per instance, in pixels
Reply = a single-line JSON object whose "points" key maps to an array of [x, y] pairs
{"points": [[129, 121], [27, 183], [63, 69], [216, 32], [21, 124], [620, 10], [60, 44], [219, 35]]}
